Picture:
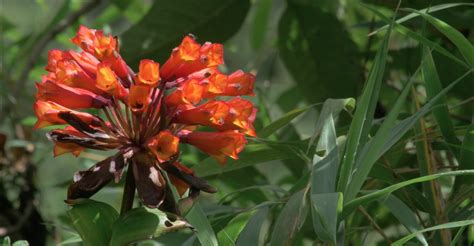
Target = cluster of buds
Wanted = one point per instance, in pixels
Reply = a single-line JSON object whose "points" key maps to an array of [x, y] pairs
{"points": [[145, 116]]}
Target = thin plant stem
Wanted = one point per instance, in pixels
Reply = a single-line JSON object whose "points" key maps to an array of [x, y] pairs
{"points": [[128, 190]]}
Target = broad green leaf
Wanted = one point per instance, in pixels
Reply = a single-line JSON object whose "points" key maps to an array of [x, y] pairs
{"points": [[281, 122], [93, 221], [404, 214], [365, 199], [308, 38], [325, 202], [372, 151], [325, 161], [229, 234], [449, 225], [290, 220], [325, 210], [251, 234], [260, 23], [199, 221], [363, 116], [331, 107], [440, 109], [430, 9], [21, 243], [144, 223], [167, 22], [458, 39], [253, 154], [466, 160]]}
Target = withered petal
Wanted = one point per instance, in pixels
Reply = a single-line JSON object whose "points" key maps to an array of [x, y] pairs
{"points": [[87, 183], [192, 180], [83, 127], [91, 143], [151, 185]]}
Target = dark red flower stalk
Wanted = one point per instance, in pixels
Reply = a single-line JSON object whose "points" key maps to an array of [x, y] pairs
{"points": [[144, 115]]}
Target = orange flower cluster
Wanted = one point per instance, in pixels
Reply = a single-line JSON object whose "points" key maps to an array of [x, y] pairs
{"points": [[144, 115]]}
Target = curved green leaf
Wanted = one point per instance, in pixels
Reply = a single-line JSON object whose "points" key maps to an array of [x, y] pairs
{"points": [[433, 228], [143, 223], [350, 206], [229, 234], [167, 22], [93, 221], [281, 122], [250, 235], [199, 221]]}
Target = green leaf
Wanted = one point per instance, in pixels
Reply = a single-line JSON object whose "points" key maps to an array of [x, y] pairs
{"points": [[144, 223], [21, 243], [314, 46], [440, 109], [167, 22], [229, 234], [416, 36], [404, 214], [281, 122], [199, 221], [449, 225], [250, 235], [466, 160], [74, 239], [465, 47], [93, 221], [325, 202], [260, 23], [372, 151], [290, 220], [252, 155], [331, 107], [363, 116], [6, 241], [430, 9], [365, 199], [325, 210]]}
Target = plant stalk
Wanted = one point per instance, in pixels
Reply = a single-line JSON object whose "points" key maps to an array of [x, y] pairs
{"points": [[128, 191]]}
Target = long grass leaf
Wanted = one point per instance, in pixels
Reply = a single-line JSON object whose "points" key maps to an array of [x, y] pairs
{"points": [[365, 199], [363, 117], [449, 225]]}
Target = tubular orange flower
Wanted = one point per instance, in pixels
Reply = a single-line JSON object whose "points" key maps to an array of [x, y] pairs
{"points": [[219, 145], [164, 145], [146, 115], [148, 73]]}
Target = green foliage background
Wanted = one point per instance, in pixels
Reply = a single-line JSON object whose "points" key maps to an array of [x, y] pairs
{"points": [[362, 139]]}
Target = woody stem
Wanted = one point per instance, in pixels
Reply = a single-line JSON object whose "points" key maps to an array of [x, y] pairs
{"points": [[128, 190]]}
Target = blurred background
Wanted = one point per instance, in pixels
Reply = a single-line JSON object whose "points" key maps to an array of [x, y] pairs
{"points": [[303, 52]]}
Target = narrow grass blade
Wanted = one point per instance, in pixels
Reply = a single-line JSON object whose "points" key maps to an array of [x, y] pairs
{"points": [[440, 111], [252, 155], [363, 117], [449, 225], [281, 122], [373, 150], [431, 9], [466, 160], [418, 37], [465, 47], [365, 199]]}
